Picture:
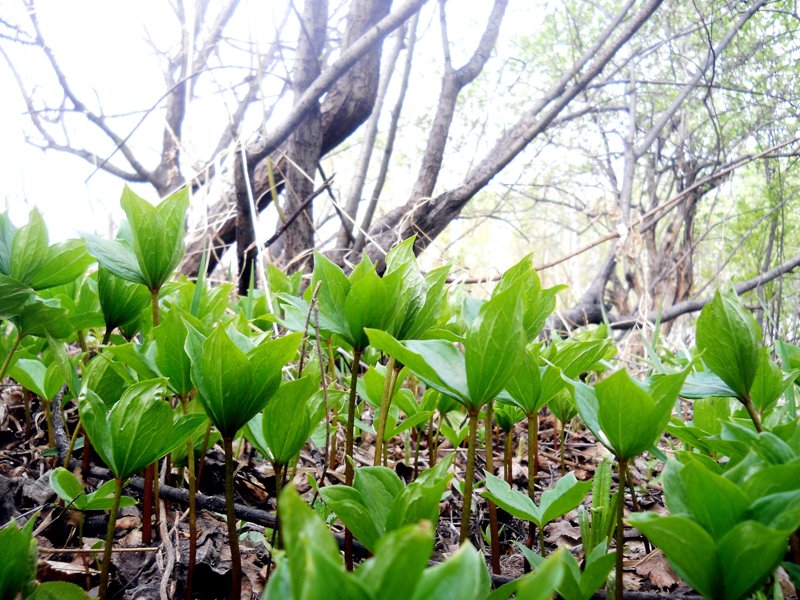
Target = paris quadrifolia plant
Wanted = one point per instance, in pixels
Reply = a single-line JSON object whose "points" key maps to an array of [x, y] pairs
{"points": [[235, 377], [139, 429]]}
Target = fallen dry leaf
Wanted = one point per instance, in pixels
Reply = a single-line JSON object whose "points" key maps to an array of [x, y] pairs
{"points": [[656, 569]]}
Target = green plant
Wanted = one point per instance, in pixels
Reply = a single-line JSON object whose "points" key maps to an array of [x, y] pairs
{"points": [[139, 429], [597, 524], [576, 584], [723, 548], [493, 343], [70, 490], [235, 377], [627, 418], [312, 567], [564, 497], [378, 502], [285, 424], [18, 568]]}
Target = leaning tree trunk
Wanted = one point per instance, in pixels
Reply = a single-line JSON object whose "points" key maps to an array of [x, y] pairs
{"points": [[346, 105], [305, 144]]}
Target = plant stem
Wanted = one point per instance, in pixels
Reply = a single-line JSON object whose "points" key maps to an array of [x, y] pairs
{"points": [[51, 430], [107, 336], [147, 506], [154, 301], [542, 549], [562, 439], [469, 474], [635, 505], [751, 410], [386, 401], [112, 528], [416, 457], [349, 473], [622, 465], [533, 450], [493, 529], [351, 418], [9, 356], [507, 462], [202, 457], [192, 560], [233, 534]]}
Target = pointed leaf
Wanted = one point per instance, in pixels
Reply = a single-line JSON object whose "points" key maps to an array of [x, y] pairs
{"points": [[286, 422], [116, 256], [494, 343], [690, 549], [460, 577], [749, 553], [730, 340]]}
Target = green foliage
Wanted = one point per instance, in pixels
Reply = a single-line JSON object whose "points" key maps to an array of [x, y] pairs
{"points": [[139, 429], [122, 301], [724, 549], [576, 584], [150, 249], [235, 381], [626, 416], [597, 524], [564, 497], [18, 569], [70, 490], [730, 340], [378, 503], [285, 425]]}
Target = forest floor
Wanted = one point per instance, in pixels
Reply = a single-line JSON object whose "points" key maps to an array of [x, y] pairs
{"points": [[158, 569]]}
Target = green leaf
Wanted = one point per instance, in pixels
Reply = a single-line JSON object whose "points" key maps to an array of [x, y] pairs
{"points": [[768, 385], [139, 422], [68, 488], [730, 340], [419, 500], [121, 301], [493, 344], [461, 577], [267, 361], [224, 381], [18, 567], [367, 305], [171, 357], [58, 590], [315, 565], [40, 317], [709, 413], [136, 432], [13, 296], [157, 234], [379, 487], [115, 255], [705, 384], [30, 373], [286, 422], [565, 496], [749, 553], [542, 583], [350, 506], [777, 511], [715, 502], [400, 559], [690, 549], [436, 362], [512, 501], [63, 263], [28, 249]]}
